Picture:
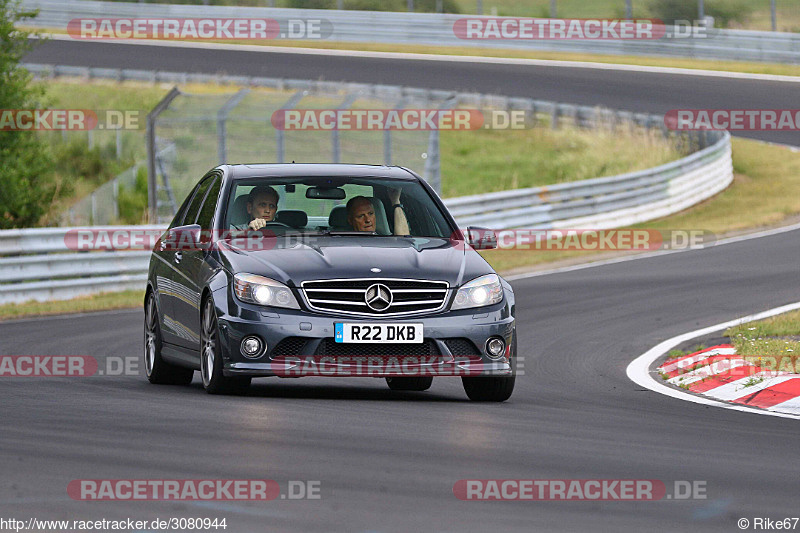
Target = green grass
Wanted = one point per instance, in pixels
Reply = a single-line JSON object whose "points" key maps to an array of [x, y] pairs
{"points": [[98, 302], [482, 161], [773, 343]]}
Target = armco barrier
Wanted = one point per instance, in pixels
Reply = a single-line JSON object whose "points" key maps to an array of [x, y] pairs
{"points": [[436, 29], [39, 265]]}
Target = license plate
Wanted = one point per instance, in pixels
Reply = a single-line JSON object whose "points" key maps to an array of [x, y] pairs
{"points": [[378, 333]]}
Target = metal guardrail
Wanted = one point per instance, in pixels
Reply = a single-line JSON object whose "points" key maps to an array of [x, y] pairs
{"points": [[437, 29], [604, 202]]}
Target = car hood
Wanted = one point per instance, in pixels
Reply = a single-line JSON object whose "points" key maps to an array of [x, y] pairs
{"points": [[292, 261]]}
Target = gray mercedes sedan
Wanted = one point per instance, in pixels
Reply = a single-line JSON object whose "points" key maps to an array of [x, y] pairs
{"points": [[326, 270]]}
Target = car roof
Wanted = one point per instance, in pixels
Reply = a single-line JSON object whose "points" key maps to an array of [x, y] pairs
{"points": [[299, 170]]}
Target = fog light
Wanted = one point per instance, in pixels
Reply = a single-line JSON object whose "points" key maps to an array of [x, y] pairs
{"points": [[252, 347], [495, 347]]}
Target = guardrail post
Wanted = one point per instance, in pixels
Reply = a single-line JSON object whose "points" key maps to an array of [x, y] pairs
{"points": [[118, 143], [336, 148], [115, 194], [280, 141], [93, 209], [152, 181], [222, 118], [433, 162]]}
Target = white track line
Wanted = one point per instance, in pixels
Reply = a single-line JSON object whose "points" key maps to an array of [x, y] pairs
{"points": [[639, 369], [441, 58]]}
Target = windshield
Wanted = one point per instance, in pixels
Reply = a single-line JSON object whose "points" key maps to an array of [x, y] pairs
{"points": [[334, 205]]}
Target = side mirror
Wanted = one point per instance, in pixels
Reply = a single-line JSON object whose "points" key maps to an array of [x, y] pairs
{"points": [[184, 238], [481, 238]]}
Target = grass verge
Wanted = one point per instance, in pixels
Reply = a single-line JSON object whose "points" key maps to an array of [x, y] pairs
{"points": [[773, 343], [98, 302]]}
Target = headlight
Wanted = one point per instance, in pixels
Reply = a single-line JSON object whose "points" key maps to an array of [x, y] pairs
{"points": [[263, 291], [485, 290]]}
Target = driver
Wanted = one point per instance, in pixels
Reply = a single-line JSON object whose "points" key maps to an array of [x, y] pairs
{"points": [[262, 205]]}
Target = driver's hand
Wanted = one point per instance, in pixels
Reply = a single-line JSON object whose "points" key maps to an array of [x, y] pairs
{"points": [[258, 223], [394, 195]]}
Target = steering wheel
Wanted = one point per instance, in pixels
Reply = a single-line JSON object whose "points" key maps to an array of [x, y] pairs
{"points": [[275, 223]]}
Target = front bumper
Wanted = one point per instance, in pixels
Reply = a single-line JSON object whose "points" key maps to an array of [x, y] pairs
{"points": [[275, 325]]}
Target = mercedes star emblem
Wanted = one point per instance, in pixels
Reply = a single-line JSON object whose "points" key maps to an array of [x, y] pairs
{"points": [[378, 297]]}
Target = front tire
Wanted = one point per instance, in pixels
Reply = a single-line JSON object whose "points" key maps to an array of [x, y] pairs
{"points": [[493, 388], [214, 382], [157, 370], [420, 383]]}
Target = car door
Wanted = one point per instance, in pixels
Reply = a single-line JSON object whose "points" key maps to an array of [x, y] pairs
{"points": [[192, 269], [163, 270], [172, 280]]}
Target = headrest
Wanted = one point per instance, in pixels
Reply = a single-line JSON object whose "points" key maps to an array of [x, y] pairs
{"points": [[292, 217], [238, 215], [337, 220]]}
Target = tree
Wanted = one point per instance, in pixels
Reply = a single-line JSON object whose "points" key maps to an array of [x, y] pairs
{"points": [[27, 184]]}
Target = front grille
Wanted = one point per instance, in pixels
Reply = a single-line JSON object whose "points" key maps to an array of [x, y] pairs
{"points": [[349, 296], [332, 348], [289, 346], [461, 347]]}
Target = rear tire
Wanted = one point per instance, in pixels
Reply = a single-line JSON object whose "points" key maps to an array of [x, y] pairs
{"points": [[420, 383], [157, 370], [214, 382]]}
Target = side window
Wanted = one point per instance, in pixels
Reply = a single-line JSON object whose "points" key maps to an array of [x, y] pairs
{"points": [[194, 207], [178, 220], [209, 206]]}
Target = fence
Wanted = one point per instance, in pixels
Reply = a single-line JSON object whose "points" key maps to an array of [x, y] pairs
{"points": [[190, 133], [437, 29]]}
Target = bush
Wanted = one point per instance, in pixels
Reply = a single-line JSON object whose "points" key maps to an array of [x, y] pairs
{"points": [[671, 10], [27, 184], [726, 12], [723, 11], [133, 203]]}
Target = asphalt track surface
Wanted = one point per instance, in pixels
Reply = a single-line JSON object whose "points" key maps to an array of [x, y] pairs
{"points": [[388, 461]]}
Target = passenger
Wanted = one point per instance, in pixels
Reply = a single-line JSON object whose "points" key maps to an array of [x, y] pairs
{"points": [[361, 213]]}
